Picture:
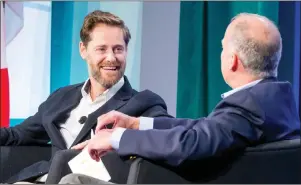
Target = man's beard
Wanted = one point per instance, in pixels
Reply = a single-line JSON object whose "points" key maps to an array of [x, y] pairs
{"points": [[104, 80]]}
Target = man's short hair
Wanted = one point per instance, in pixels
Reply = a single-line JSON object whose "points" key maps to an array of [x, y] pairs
{"points": [[99, 17], [258, 57]]}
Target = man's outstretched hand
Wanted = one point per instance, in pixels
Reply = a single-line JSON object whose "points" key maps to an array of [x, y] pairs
{"points": [[118, 119], [100, 144]]}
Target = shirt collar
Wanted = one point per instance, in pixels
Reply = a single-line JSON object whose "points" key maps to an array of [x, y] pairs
{"points": [[109, 93], [251, 84]]}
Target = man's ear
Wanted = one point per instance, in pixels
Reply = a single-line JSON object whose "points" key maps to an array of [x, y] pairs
{"points": [[234, 62], [82, 50]]}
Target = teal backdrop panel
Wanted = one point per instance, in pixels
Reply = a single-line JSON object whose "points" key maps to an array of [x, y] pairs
{"points": [[67, 67]]}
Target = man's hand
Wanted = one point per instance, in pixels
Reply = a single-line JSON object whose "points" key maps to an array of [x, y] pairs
{"points": [[100, 144], [118, 119], [81, 146]]}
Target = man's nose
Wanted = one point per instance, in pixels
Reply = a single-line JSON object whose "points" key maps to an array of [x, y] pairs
{"points": [[111, 57]]}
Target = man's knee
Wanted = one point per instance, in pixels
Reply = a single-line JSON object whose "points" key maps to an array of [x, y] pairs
{"points": [[22, 182], [81, 179], [70, 179], [63, 155]]}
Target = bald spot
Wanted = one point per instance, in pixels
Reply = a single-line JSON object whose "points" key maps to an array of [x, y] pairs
{"points": [[254, 27]]}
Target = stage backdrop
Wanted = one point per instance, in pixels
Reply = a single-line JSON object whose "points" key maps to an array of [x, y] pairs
{"points": [[174, 51], [202, 27]]}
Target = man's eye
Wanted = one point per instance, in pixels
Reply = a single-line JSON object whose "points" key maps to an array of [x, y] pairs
{"points": [[119, 49], [101, 49]]}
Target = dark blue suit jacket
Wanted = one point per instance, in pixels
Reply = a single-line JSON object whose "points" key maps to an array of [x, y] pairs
{"points": [[263, 113], [43, 127]]}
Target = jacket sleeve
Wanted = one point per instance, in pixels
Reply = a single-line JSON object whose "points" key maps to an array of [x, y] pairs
{"points": [[156, 111], [30, 132], [157, 106], [194, 139]]}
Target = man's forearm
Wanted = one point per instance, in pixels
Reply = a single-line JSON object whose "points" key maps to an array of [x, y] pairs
{"points": [[143, 123]]}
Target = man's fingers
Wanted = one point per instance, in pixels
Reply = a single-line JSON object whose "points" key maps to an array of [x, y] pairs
{"points": [[80, 146], [91, 150], [93, 154], [96, 155], [104, 120], [100, 124]]}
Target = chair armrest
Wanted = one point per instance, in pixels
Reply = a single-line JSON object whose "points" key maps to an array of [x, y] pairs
{"points": [[276, 146], [15, 158], [143, 171], [277, 162]]}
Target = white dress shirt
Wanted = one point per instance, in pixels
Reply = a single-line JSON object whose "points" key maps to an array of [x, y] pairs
{"points": [[148, 123], [71, 128], [251, 84]]}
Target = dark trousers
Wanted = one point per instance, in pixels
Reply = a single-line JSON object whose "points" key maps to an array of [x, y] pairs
{"points": [[59, 165]]}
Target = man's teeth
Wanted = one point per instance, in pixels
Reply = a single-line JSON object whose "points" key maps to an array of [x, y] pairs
{"points": [[109, 68]]}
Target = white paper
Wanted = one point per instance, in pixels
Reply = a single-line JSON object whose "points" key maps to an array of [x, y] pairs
{"points": [[84, 164]]}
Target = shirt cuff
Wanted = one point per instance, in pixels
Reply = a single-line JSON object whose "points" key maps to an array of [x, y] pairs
{"points": [[146, 123], [116, 137]]}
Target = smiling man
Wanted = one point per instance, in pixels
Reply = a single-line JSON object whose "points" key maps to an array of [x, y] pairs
{"points": [[68, 115], [104, 47]]}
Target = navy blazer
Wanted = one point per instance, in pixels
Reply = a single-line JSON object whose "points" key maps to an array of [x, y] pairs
{"points": [[43, 126], [263, 113]]}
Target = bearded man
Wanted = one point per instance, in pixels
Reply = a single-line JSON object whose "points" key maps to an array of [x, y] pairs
{"points": [[69, 114]]}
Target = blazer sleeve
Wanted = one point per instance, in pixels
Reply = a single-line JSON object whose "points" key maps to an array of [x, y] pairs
{"points": [[157, 106], [156, 111], [30, 132], [227, 128]]}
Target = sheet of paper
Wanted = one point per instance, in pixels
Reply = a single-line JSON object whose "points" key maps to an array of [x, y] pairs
{"points": [[84, 164]]}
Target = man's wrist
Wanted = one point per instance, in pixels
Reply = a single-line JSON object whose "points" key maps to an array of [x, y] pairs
{"points": [[135, 123]]}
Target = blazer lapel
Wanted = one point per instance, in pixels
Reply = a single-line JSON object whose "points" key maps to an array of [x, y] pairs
{"points": [[116, 102], [70, 102]]}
